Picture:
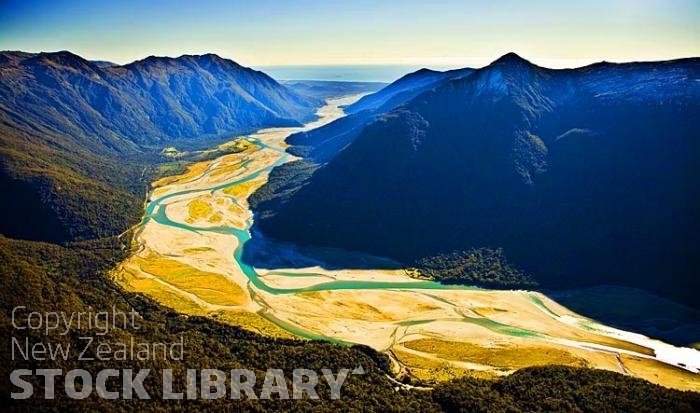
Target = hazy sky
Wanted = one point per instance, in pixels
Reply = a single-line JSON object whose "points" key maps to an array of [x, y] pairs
{"points": [[439, 33]]}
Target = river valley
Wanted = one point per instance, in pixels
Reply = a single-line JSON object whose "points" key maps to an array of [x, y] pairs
{"points": [[189, 257]]}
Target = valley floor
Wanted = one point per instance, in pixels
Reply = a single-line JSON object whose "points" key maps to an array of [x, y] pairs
{"points": [[189, 258]]}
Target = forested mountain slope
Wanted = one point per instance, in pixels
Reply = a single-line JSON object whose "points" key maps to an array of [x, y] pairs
{"points": [[78, 139]]}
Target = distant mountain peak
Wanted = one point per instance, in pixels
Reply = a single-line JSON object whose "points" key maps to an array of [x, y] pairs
{"points": [[61, 58], [206, 59], [510, 59], [211, 56], [424, 70], [215, 59], [508, 74], [61, 54]]}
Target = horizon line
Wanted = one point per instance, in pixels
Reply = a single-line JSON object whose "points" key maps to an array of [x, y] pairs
{"points": [[424, 62]]}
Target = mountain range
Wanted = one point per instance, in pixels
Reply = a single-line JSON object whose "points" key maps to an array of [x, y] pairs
{"points": [[80, 142], [583, 176], [79, 139]]}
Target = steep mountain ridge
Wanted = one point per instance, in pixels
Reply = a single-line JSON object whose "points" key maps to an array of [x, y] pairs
{"points": [[417, 79], [145, 102], [320, 145]]}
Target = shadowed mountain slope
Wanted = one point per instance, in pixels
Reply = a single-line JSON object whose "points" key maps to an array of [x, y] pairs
{"points": [[583, 176]]}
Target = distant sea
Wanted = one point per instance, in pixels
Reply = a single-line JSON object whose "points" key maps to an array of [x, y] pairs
{"points": [[350, 73]]}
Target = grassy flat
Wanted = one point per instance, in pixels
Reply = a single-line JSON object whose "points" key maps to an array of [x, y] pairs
{"points": [[193, 171], [510, 357], [213, 288]]}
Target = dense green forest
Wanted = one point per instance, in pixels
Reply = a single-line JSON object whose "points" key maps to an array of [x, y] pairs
{"points": [[561, 389], [72, 194], [46, 277], [65, 192], [483, 267]]}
